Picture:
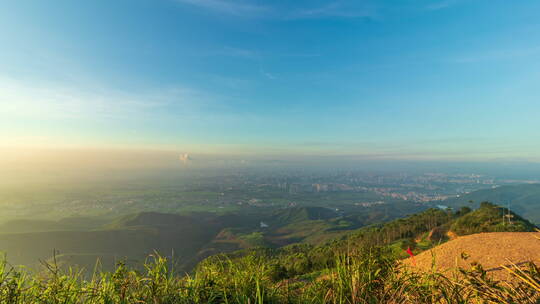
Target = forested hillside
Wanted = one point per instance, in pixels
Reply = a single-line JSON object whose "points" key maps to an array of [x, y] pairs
{"points": [[523, 199], [418, 232]]}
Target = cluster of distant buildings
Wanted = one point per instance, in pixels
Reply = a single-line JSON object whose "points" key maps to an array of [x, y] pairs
{"points": [[318, 187]]}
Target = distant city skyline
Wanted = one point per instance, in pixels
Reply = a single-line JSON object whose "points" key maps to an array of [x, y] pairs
{"points": [[419, 80]]}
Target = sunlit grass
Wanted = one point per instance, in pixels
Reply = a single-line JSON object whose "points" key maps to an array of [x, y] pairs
{"points": [[369, 276]]}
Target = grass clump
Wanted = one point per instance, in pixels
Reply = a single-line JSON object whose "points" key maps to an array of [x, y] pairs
{"points": [[367, 276]]}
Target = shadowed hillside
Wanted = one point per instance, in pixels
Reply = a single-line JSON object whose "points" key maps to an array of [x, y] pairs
{"points": [[131, 238], [184, 238]]}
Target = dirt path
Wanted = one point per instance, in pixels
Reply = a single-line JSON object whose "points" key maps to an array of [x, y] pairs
{"points": [[491, 250]]}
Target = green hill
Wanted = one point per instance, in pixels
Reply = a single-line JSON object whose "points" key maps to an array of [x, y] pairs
{"points": [[490, 218], [523, 199], [299, 214]]}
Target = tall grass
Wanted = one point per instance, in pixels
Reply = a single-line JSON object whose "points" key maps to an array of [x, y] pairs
{"points": [[364, 277]]}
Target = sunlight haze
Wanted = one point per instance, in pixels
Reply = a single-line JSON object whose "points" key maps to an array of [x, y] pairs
{"points": [[409, 80]]}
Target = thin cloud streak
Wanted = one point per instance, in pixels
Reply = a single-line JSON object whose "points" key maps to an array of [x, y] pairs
{"points": [[336, 9], [226, 6], [332, 9], [441, 5], [46, 100], [342, 9], [500, 54], [240, 52]]}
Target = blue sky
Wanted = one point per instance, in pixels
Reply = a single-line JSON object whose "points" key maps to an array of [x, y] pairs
{"points": [[400, 79]]}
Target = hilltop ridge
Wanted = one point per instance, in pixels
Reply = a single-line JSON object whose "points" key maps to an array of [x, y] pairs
{"points": [[523, 199]]}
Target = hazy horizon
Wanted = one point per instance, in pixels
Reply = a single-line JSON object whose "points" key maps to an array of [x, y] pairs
{"points": [[68, 167]]}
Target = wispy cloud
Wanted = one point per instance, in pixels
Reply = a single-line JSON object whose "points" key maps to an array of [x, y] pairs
{"points": [[498, 54], [267, 75], [439, 5], [337, 9], [300, 55], [326, 9], [239, 52], [248, 53], [42, 100], [227, 6]]}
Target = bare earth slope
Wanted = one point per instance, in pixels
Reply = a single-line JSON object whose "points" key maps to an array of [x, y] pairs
{"points": [[491, 250]]}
